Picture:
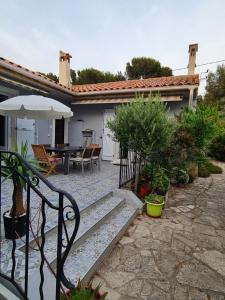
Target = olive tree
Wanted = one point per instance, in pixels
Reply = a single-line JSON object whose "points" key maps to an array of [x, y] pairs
{"points": [[144, 126]]}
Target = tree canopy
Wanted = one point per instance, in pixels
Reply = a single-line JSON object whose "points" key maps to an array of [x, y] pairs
{"points": [[143, 125], [146, 67], [51, 76], [92, 75], [140, 67], [215, 87]]}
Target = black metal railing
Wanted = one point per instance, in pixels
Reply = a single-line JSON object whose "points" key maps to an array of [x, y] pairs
{"points": [[128, 159], [64, 211], [131, 165]]}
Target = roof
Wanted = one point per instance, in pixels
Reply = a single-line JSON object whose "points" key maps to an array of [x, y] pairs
{"points": [[107, 87], [36, 75], [157, 82]]}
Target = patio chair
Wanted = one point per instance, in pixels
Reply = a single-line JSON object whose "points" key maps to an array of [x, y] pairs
{"points": [[45, 160], [84, 159], [95, 158], [93, 146]]}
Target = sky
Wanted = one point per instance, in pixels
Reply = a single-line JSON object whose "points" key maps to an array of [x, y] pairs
{"points": [[106, 34]]}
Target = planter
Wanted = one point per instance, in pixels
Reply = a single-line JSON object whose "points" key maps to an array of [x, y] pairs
{"points": [[192, 171], [144, 190], [14, 228], [154, 210]]}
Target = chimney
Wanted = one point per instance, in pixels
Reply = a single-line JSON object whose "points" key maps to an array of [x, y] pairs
{"points": [[193, 48], [64, 68]]}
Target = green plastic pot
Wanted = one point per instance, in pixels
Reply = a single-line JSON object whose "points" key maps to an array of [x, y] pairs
{"points": [[154, 210]]}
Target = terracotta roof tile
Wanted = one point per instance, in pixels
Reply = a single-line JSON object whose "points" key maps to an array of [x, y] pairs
{"points": [[141, 83], [8, 62]]}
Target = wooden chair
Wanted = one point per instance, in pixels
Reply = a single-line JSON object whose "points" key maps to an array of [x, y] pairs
{"points": [[45, 160], [84, 159], [93, 146], [95, 157]]}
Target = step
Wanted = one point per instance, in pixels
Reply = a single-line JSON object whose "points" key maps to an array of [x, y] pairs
{"points": [[83, 260], [94, 244], [52, 229], [90, 218]]}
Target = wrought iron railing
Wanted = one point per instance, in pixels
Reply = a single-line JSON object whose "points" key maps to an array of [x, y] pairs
{"points": [[64, 210], [131, 165], [128, 159]]}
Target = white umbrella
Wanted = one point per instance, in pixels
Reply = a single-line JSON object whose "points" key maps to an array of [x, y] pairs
{"points": [[34, 107]]}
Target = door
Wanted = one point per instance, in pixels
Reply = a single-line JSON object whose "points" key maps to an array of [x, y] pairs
{"points": [[107, 143], [26, 132], [59, 131]]}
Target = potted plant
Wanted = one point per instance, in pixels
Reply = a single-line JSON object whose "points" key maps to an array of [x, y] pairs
{"points": [[180, 176], [160, 182], [14, 169], [144, 188], [84, 293], [154, 205]]}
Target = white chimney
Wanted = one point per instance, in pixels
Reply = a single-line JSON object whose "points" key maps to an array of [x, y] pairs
{"points": [[193, 48], [64, 68]]}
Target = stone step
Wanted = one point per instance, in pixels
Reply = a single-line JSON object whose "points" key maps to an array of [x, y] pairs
{"points": [[52, 230], [83, 260], [90, 218], [104, 226]]}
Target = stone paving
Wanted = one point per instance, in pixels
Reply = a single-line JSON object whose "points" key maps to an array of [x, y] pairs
{"points": [[180, 256]]}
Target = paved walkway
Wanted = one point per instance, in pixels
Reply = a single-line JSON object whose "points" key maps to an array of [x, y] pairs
{"points": [[180, 256]]}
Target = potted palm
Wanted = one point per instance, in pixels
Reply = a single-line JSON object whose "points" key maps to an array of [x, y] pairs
{"points": [[84, 293], [154, 205], [14, 169]]}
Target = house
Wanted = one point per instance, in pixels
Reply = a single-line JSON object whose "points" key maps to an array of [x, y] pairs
{"points": [[93, 104]]}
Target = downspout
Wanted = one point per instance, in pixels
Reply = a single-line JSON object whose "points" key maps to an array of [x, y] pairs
{"points": [[191, 97]]}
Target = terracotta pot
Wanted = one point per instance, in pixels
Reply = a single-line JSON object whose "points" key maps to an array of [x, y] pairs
{"points": [[144, 190]]}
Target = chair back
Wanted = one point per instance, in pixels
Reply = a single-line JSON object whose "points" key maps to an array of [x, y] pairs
{"points": [[96, 151], [87, 153], [39, 152], [93, 146]]}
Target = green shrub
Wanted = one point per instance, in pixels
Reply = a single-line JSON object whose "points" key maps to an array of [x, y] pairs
{"points": [[201, 123], [217, 147], [214, 169], [203, 170], [206, 168], [182, 150], [181, 176]]}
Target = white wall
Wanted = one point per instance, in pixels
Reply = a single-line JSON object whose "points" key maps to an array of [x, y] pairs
{"points": [[87, 117]]}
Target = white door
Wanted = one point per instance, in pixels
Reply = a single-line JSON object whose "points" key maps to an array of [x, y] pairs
{"points": [[108, 143], [26, 132]]}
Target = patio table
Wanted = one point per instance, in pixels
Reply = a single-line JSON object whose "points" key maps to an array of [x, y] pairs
{"points": [[65, 151]]}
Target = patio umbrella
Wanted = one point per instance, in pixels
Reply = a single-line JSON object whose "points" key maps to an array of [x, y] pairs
{"points": [[34, 107]]}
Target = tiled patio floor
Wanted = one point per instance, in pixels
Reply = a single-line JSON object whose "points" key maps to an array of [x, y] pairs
{"points": [[180, 256], [86, 189]]}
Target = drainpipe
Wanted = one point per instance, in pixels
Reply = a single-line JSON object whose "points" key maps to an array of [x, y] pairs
{"points": [[191, 96]]}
